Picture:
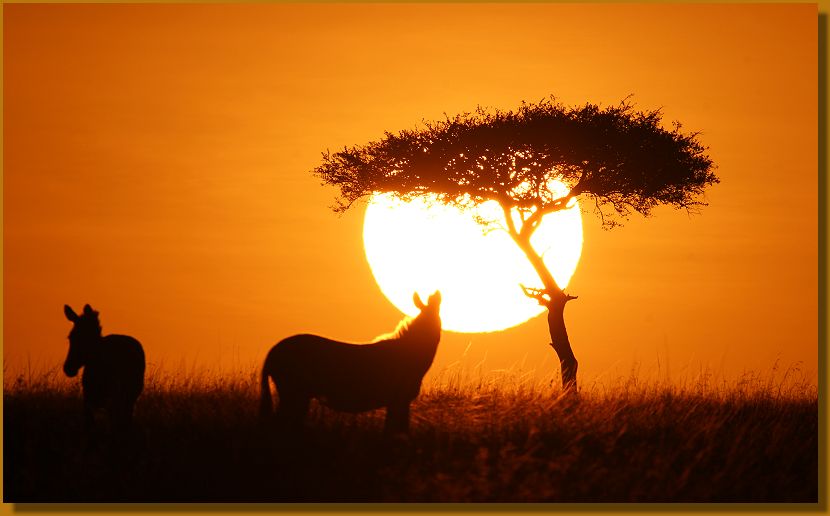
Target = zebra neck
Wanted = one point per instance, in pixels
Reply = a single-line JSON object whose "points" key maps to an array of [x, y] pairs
{"points": [[94, 348]]}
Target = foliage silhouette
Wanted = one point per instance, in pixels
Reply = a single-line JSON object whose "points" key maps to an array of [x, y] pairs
{"points": [[113, 369], [354, 377], [618, 157]]}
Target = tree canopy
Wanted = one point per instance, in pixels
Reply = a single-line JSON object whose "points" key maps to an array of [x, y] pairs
{"points": [[620, 158]]}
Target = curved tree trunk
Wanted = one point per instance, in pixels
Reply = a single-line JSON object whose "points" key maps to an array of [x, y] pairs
{"points": [[554, 299], [560, 342]]}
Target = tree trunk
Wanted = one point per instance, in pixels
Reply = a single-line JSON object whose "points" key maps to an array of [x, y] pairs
{"points": [[555, 303], [560, 342]]}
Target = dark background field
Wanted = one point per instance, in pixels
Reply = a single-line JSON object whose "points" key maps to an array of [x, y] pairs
{"points": [[498, 439]]}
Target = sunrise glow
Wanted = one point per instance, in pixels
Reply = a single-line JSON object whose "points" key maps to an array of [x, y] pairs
{"points": [[425, 246]]}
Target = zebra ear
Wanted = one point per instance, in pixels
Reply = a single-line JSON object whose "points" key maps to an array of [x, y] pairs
{"points": [[436, 297], [89, 311], [417, 300], [70, 313]]}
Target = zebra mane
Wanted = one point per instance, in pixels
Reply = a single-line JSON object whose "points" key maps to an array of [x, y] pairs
{"points": [[403, 328], [408, 327], [426, 325]]}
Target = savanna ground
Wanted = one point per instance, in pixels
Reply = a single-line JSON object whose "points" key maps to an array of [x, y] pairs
{"points": [[474, 438]]}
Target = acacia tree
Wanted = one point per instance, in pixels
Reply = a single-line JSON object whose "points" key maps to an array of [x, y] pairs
{"points": [[617, 158]]}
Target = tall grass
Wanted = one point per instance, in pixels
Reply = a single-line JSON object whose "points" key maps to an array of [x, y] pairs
{"points": [[476, 436]]}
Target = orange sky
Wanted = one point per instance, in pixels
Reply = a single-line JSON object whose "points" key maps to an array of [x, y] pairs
{"points": [[157, 158]]}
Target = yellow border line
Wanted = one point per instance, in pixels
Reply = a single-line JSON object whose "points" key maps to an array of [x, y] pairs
{"points": [[709, 509]]}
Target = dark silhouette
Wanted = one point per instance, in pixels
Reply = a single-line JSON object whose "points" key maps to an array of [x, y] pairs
{"points": [[612, 156], [354, 377], [113, 369]]}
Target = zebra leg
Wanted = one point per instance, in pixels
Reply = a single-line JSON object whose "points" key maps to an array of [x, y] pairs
{"points": [[122, 416], [89, 425], [397, 418]]}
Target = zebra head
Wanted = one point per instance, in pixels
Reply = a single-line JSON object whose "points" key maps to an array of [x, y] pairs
{"points": [[85, 335], [433, 302], [430, 310]]}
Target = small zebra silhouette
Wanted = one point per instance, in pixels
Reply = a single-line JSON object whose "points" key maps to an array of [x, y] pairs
{"points": [[354, 377], [113, 369]]}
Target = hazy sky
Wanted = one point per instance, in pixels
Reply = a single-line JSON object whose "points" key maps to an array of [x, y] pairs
{"points": [[157, 165]]}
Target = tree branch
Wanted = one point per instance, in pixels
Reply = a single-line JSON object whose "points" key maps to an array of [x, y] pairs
{"points": [[535, 219], [508, 219], [536, 293], [546, 298]]}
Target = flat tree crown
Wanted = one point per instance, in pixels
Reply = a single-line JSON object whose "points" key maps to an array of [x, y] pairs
{"points": [[616, 156]]}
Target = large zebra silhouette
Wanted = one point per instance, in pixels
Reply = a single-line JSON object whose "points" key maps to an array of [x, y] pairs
{"points": [[354, 377]]}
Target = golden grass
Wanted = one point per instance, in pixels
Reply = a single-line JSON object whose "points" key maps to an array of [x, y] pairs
{"points": [[476, 436]]}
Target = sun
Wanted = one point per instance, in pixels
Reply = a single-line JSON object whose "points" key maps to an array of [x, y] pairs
{"points": [[422, 246]]}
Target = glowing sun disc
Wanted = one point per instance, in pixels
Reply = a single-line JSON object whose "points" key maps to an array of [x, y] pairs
{"points": [[425, 246]]}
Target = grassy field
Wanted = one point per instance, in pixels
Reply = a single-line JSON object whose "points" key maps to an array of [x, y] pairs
{"points": [[494, 439]]}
